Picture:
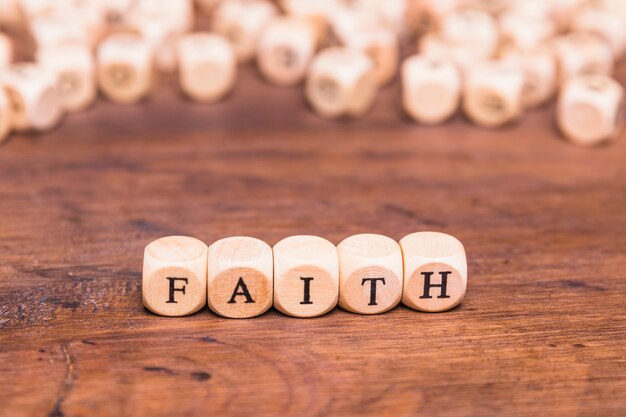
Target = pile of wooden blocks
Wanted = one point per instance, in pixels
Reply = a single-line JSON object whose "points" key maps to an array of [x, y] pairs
{"points": [[493, 59], [304, 276]]}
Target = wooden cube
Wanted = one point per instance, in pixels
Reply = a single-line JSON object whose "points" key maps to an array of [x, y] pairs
{"points": [[33, 97], [5, 116], [207, 7], [590, 109], [174, 276], [436, 47], [240, 277], [306, 276], [604, 23], [285, 50], [493, 93], [242, 22], [435, 271], [124, 68], [6, 50], [341, 83], [524, 31], [582, 53], [207, 66], [431, 88], [382, 46], [60, 26], [161, 23], [370, 274], [471, 29], [74, 68], [177, 16], [540, 73]]}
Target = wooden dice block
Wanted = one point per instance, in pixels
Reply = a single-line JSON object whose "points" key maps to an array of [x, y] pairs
{"points": [[207, 66], [604, 23], [590, 109], [73, 66], [540, 73], [285, 50], [124, 68], [436, 47], [524, 31], [493, 93], [240, 277], [381, 45], [33, 97], [370, 274], [306, 276], [5, 116], [6, 50], [60, 26], [431, 88], [472, 29], [174, 276], [177, 16], [435, 271], [582, 53], [242, 22], [341, 83]]}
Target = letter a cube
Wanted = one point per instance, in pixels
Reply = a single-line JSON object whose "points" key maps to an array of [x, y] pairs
{"points": [[240, 277]]}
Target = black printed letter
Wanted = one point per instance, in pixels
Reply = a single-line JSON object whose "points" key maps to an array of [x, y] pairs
{"points": [[173, 288], [244, 291], [372, 289], [307, 290], [443, 285]]}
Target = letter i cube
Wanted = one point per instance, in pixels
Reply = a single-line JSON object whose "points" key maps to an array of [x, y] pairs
{"points": [[435, 271], [370, 274], [174, 276], [306, 276], [240, 277]]}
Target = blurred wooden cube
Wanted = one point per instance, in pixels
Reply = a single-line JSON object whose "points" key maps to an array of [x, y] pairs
{"points": [[207, 66], [591, 109], [524, 31], [341, 83], [242, 22], [382, 46], [60, 27], [285, 50], [431, 88], [435, 46], [33, 97], [582, 53], [306, 276], [604, 23], [125, 68], [74, 68], [493, 93], [540, 73], [471, 29], [435, 271], [370, 274], [174, 276], [240, 277]]}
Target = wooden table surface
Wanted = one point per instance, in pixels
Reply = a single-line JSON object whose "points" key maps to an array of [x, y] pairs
{"points": [[542, 331]]}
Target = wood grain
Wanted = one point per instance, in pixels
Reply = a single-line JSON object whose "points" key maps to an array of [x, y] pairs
{"points": [[542, 330]]}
